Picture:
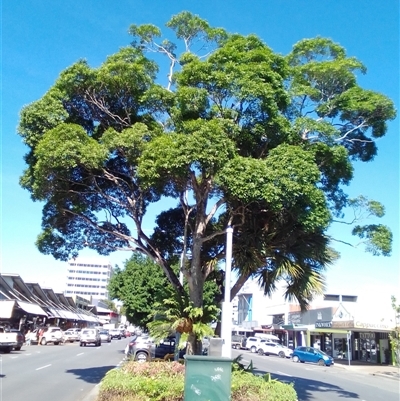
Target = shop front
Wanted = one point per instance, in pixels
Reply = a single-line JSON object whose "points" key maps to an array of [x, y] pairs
{"points": [[352, 340]]}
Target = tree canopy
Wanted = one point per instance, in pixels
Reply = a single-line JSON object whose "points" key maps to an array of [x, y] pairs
{"points": [[239, 135]]}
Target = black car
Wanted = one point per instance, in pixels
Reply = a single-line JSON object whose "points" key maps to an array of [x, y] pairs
{"points": [[142, 349]]}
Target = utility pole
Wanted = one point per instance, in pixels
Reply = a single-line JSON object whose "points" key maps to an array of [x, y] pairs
{"points": [[226, 318]]}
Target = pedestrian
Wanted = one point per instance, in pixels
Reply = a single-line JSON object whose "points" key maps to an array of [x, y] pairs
{"points": [[28, 338], [41, 332]]}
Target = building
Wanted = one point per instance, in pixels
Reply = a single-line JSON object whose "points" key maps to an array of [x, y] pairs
{"points": [[353, 327], [88, 277]]}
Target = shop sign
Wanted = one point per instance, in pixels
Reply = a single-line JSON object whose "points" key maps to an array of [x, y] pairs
{"points": [[344, 324], [323, 325], [368, 325], [294, 318], [367, 335]]}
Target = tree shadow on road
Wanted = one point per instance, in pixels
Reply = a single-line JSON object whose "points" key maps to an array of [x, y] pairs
{"points": [[306, 387], [91, 375]]}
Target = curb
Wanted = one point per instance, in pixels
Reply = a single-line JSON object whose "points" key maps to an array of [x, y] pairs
{"points": [[386, 376], [94, 392]]}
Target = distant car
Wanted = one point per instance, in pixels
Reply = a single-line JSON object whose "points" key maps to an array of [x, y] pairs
{"points": [[76, 330], [52, 334], [115, 333], [144, 348], [313, 355], [70, 336], [253, 343], [20, 339], [90, 336], [270, 348], [238, 341], [105, 336]]}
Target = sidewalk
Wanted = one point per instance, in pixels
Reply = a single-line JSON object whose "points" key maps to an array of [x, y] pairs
{"points": [[388, 371]]}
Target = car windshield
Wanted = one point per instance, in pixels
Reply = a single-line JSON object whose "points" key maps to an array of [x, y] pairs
{"points": [[322, 353]]}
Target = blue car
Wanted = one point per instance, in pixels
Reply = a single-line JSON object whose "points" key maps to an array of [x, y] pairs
{"points": [[313, 355]]}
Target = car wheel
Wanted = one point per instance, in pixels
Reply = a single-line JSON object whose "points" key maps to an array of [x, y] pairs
{"points": [[80, 344], [141, 357], [281, 354], [43, 342], [237, 346], [253, 349], [56, 343], [295, 358], [321, 362], [17, 348], [260, 352]]}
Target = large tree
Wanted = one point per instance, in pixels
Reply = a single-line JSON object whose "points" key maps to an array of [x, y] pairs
{"points": [[239, 136], [139, 285]]}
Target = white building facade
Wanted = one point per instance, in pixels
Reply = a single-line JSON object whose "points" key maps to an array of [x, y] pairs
{"points": [[88, 277]]}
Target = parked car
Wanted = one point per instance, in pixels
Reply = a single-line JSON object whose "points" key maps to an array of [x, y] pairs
{"points": [[115, 333], [105, 336], [270, 348], [90, 336], [52, 334], [253, 343], [76, 330], [70, 336], [8, 340], [142, 349], [20, 339], [313, 355]]}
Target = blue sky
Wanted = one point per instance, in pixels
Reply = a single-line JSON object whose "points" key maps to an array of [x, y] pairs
{"points": [[41, 38]]}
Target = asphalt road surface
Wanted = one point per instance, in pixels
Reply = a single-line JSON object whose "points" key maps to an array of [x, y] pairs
{"points": [[319, 383], [69, 372], [56, 372]]}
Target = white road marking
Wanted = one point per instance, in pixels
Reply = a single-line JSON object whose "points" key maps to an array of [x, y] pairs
{"points": [[45, 366], [14, 357], [284, 374], [80, 354]]}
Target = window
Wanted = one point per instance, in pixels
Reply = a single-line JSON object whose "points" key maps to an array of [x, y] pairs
{"points": [[329, 297]]}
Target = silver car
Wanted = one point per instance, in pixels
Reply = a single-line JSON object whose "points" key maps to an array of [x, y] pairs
{"points": [[90, 336], [105, 336]]}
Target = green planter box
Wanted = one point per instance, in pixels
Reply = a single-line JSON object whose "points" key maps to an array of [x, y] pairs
{"points": [[207, 378]]}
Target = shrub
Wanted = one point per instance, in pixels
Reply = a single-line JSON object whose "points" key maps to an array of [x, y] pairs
{"points": [[164, 381]]}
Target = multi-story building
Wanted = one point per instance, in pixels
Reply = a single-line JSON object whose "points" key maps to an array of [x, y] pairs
{"points": [[88, 277]]}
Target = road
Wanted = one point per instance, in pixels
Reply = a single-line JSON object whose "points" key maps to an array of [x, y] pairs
{"points": [[69, 373], [57, 373], [316, 383]]}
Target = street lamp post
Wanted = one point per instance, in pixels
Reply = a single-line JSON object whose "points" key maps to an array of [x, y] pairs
{"points": [[226, 318]]}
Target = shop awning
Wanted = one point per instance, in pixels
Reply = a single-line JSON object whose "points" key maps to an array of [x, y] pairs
{"points": [[6, 309], [294, 327], [54, 313], [32, 309], [70, 315]]}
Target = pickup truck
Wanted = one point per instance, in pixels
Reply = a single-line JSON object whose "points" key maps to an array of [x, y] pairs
{"points": [[8, 340]]}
